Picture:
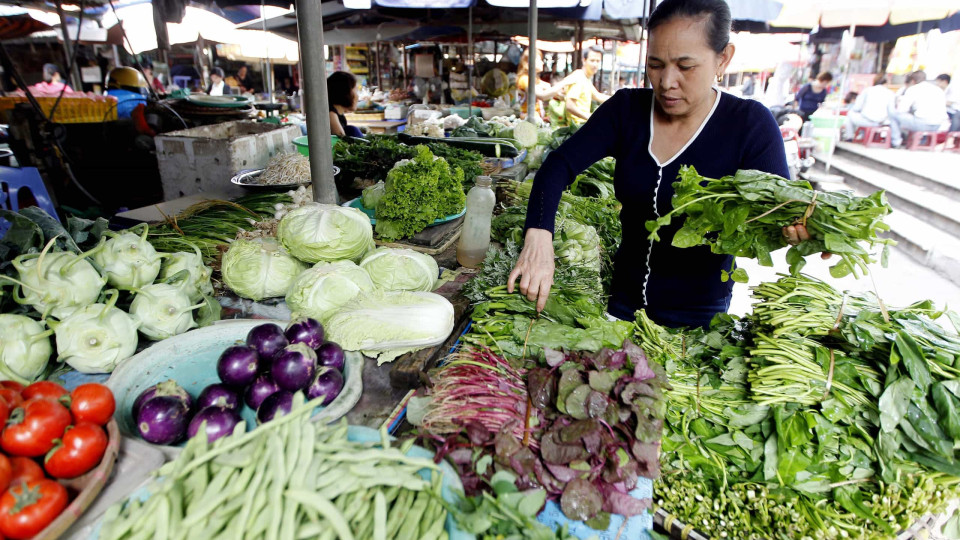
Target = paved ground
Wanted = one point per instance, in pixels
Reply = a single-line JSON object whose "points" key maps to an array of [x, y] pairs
{"points": [[903, 282], [940, 166]]}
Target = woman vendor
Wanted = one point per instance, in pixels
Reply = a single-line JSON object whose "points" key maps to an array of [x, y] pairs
{"points": [[683, 120], [342, 96]]}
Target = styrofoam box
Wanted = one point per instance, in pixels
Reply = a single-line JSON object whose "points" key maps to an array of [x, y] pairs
{"points": [[204, 159]]}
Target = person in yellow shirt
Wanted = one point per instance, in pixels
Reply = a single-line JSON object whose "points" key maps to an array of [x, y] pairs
{"points": [[582, 93], [545, 92]]}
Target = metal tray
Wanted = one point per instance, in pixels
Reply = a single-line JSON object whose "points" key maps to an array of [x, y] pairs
{"points": [[246, 179]]}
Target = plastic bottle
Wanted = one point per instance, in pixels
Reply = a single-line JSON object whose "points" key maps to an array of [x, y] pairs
{"points": [[475, 236]]}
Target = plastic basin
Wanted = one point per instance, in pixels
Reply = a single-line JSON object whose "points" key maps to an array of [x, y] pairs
{"points": [[191, 360], [304, 147]]}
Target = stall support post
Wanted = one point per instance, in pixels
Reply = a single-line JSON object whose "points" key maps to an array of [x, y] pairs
{"points": [[532, 73], [310, 32], [74, 75], [470, 60]]}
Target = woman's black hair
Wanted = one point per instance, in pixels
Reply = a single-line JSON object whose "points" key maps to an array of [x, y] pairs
{"points": [[717, 13], [339, 85], [592, 49]]}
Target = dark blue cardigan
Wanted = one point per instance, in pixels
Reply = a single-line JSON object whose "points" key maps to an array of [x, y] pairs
{"points": [[678, 287]]}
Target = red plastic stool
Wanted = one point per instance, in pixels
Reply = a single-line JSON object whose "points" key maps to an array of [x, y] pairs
{"points": [[953, 142], [873, 137], [926, 140]]}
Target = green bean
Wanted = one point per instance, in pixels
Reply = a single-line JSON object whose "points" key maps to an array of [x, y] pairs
{"points": [[411, 523], [310, 531], [288, 525], [379, 516], [248, 497], [259, 506], [275, 444], [326, 509], [260, 524], [162, 517], [214, 494], [291, 442], [398, 511]]}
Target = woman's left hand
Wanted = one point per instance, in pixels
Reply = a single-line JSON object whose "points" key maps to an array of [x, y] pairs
{"points": [[798, 233]]}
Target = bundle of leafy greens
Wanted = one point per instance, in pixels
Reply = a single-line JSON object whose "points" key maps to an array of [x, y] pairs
{"points": [[596, 181], [806, 419], [373, 157], [744, 215], [584, 428], [417, 192]]}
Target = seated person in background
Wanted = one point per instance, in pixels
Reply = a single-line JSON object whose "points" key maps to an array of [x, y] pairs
{"points": [[245, 81], [953, 100], [342, 95], [52, 82], [217, 86], [923, 107], [152, 79], [871, 109], [812, 94]]}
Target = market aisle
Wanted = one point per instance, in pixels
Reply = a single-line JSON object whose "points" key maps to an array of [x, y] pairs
{"points": [[905, 281]]}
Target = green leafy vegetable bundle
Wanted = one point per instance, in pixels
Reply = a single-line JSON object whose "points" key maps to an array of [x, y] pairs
{"points": [[417, 192], [743, 215], [596, 181], [821, 415], [372, 158]]}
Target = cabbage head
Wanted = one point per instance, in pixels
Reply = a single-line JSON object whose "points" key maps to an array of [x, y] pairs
{"points": [[319, 291], [24, 348], [371, 196], [326, 232], [394, 269], [389, 324], [189, 273], [163, 310], [97, 337], [56, 283], [128, 260], [260, 268], [578, 244]]}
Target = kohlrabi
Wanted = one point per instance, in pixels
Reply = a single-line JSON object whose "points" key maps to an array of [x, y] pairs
{"points": [[97, 337], [128, 260], [163, 310], [55, 283], [187, 271], [24, 348]]}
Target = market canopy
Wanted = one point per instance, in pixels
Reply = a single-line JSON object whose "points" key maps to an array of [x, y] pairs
{"points": [[846, 13]]}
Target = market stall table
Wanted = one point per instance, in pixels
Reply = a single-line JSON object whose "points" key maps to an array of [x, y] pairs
{"points": [[380, 127]]}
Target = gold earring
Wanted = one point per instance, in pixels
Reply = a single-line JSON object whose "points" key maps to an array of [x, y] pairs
{"points": [[719, 78]]}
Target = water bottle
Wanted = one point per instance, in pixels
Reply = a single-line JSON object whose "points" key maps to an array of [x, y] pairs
{"points": [[475, 236]]}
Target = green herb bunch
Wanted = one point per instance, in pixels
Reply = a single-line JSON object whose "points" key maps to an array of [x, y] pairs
{"points": [[744, 215]]}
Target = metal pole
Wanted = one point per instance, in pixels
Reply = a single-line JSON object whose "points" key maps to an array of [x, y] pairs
{"points": [[532, 74], [644, 38], [470, 60], [268, 80], [310, 32], [74, 74]]}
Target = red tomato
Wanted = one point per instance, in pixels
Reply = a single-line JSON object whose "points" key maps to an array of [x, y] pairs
{"points": [[13, 385], [47, 389], [92, 402], [34, 427], [4, 413], [11, 397], [6, 472], [81, 450], [27, 509], [24, 470]]}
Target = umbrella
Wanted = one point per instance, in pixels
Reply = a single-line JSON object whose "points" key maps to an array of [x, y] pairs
{"points": [[18, 26], [846, 13]]}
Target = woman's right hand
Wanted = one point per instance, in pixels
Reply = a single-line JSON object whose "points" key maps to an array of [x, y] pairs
{"points": [[534, 267]]}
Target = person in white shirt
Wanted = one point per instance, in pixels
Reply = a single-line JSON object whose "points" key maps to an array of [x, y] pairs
{"points": [[871, 109], [217, 86], [953, 100], [923, 107]]}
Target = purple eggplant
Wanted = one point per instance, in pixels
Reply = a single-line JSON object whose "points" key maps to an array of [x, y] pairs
{"points": [[327, 383], [219, 395], [278, 404], [294, 367], [306, 331], [238, 365], [163, 420], [167, 388], [262, 388], [330, 354], [217, 421], [268, 340]]}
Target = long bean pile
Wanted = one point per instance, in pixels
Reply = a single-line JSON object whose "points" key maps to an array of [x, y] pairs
{"points": [[744, 214], [288, 479], [821, 415]]}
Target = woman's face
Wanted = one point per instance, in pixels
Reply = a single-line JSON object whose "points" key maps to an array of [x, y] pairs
{"points": [[215, 79], [817, 85], [682, 67], [353, 98]]}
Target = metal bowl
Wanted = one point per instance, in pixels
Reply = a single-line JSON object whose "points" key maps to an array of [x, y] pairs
{"points": [[248, 179]]}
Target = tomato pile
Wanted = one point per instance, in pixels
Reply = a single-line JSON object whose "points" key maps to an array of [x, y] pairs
{"points": [[48, 433]]}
